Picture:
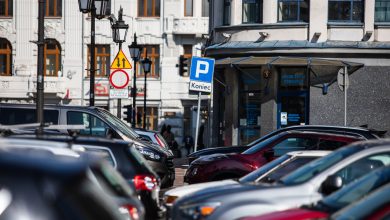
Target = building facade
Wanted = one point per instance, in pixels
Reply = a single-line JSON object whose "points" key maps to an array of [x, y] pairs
{"points": [[283, 62], [167, 29]]}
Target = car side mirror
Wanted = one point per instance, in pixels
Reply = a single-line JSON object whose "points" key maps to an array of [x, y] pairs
{"points": [[331, 184]]}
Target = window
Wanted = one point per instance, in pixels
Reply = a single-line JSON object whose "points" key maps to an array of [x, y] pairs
{"points": [[52, 58], [187, 54], [5, 57], [226, 12], [345, 11], [103, 153], [53, 8], [205, 8], [153, 53], [188, 8], [293, 10], [93, 125], [102, 60], [108, 10], [252, 11], [382, 11], [148, 8], [294, 144], [151, 118], [6, 8], [13, 116]]}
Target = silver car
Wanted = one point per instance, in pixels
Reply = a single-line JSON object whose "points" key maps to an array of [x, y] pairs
{"points": [[306, 185]]}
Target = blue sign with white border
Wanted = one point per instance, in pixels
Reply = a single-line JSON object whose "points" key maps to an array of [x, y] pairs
{"points": [[201, 74]]}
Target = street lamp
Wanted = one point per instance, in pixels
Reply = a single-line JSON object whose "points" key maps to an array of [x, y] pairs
{"points": [[119, 32], [146, 65], [97, 8], [135, 53]]}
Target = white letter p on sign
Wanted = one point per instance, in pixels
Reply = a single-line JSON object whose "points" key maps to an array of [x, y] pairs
{"points": [[199, 70]]}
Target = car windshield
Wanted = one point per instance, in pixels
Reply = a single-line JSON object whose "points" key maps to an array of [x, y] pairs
{"points": [[262, 144], [251, 177], [357, 189], [124, 128], [310, 170]]}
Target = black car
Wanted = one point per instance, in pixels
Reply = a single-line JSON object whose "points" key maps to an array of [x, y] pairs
{"points": [[126, 159], [351, 131], [43, 186], [98, 122]]}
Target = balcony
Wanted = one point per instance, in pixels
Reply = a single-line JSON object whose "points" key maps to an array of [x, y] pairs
{"points": [[190, 25]]}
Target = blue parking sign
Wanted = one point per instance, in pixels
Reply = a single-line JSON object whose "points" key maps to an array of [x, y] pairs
{"points": [[201, 74]]}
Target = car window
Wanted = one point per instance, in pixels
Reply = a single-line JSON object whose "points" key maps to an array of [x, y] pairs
{"points": [[330, 144], [146, 137], [12, 116], [363, 166], [119, 124], [294, 144], [262, 144], [286, 169], [104, 153], [93, 125]]}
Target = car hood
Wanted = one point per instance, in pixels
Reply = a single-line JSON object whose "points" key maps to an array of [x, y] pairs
{"points": [[188, 189], [215, 157], [296, 214]]}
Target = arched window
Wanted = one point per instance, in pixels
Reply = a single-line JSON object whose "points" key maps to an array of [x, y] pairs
{"points": [[52, 58], [5, 57]]}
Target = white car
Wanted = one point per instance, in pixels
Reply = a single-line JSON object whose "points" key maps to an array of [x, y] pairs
{"points": [[270, 172]]}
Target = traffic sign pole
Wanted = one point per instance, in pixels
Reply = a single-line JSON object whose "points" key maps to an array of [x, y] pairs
{"points": [[197, 121]]}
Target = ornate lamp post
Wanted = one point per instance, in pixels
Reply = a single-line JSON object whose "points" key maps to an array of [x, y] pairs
{"points": [[135, 53], [119, 33], [97, 8], [146, 65]]}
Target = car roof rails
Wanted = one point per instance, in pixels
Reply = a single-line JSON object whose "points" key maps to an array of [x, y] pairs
{"points": [[379, 133], [49, 129]]}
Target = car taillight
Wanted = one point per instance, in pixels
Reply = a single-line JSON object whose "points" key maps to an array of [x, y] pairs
{"points": [[132, 211], [145, 182], [159, 141]]}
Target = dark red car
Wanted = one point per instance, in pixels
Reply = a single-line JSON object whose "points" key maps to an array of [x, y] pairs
{"points": [[226, 166]]}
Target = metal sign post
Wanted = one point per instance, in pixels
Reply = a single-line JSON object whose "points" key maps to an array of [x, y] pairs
{"points": [[343, 83], [201, 76]]}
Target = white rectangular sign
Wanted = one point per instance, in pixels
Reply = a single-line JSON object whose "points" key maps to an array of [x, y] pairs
{"points": [[200, 86], [119, 93]]}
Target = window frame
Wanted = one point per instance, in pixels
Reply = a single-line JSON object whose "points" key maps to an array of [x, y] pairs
{"points": [[155, 13], [104, 54], [375, 15], [227, 12], [56, 13], [149, 125], [57, 53], [350, 20], [299, 16], [185, 8], [8, 12], [152, 55], [7, 51], [259, 14], [205, 3], [187, 55]]}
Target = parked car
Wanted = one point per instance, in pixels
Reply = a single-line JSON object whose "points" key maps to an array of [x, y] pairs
{"points": [[126, 159], [98, 122], [372, 207], [364, 133], [152, 136], [115, 185], [306, 185], [268, 173], [44, 186], [227, 166], [335, 201]]}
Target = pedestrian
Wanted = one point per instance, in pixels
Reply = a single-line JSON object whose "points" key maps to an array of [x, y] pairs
{"points": [[163, 129], [169, 136], [188, 144]]}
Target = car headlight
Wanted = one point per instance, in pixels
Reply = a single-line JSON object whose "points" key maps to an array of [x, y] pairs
{"points": [[148, 154], [199, 211]]}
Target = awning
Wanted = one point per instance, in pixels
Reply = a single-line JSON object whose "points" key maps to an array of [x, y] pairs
{"points": [[324, 70]]}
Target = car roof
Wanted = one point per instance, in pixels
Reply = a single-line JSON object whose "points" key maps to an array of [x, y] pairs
{"points": [[312, 153], [49, 106], [318, 133]]}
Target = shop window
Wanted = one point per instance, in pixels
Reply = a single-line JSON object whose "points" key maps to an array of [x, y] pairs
{"points": [[153, 53], [226, 12], [102, 60], [52, 58], [148, 8], [205, 8], [5, 57], [382, 11], [293, 10], [345, 10], [53, 8], [151, 118], [188, 8], [252, 11], [6, 7]]}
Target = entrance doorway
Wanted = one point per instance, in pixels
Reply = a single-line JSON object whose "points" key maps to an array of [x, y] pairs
{"points": [[293, 97]]}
